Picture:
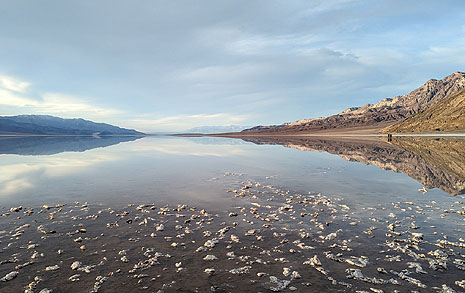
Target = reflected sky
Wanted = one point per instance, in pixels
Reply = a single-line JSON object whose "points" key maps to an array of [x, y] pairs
{"points": [[191, 170], [148, 168]]}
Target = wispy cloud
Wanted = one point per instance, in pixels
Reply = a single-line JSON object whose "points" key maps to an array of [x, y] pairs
{"points": [[223, 74], [12, 99], [14, 94], [60, 103], [13, 84]]}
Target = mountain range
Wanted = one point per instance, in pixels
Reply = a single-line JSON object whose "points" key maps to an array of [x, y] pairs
{"points": [[373, 118], [436, 106], [216, 129], [50, 125]]}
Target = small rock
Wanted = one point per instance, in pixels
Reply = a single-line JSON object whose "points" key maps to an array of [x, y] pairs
{"points": [[210, 243], [210, 257], [52, 268], [15, 210], [10, 276], [447, 289], [74, 278], [286, 272], [295, 275], [75, 265], [240, 271], [461, 284], [234, 238]]}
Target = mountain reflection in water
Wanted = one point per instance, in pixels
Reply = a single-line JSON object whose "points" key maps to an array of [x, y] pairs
{"points": [[434, 162], [50, 145]]}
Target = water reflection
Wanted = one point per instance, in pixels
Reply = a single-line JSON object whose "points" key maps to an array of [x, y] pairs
{"points": [[434, 162], [50, 145], [54, 168], [18, 175], [59, 169]]}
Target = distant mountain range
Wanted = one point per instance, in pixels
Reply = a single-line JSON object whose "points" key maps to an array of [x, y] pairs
{"points": [[50, 125], [216, 129], [374, 117]]}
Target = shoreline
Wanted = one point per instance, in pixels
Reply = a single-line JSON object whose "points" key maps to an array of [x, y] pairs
{"points": [[236, 135]]}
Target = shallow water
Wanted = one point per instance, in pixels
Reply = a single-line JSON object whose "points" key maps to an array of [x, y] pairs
{"points": [[365, 191]]}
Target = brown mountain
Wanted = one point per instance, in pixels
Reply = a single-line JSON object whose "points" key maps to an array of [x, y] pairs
{"points": [[447, 115], [373, 117]]}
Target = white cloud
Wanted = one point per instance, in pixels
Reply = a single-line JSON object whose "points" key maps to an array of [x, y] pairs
{"points": [[212, 74], [13, 84], [65, 104], [239, 42], [438, 53], [8, 98], [13, 93]]}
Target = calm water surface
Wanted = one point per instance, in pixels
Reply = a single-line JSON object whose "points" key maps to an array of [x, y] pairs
{"points": [[351, 188], [163, 169]]}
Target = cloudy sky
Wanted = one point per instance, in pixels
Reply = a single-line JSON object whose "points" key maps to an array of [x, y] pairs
{"points": [[172, 65]]}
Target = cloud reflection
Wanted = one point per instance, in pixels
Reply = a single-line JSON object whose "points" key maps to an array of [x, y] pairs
{"points": [[188, 147], [16, 177], [35, 161]]}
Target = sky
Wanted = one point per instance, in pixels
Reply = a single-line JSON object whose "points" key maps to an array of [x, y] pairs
{"points": [[173, 65]]}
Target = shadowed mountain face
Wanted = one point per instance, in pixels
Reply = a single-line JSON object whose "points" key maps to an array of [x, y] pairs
{"points": [[50, 125], [434, 162], [374, 117], [50, 145]]}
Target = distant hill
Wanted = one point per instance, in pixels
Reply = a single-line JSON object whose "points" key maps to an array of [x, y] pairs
{"points": [[373, 116], [216, 129], [447, 115], [50, 125]]}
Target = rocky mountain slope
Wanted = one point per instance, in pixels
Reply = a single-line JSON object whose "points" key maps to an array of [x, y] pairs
{"points": [[447, 115], [44, 124], [374, 116]]}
